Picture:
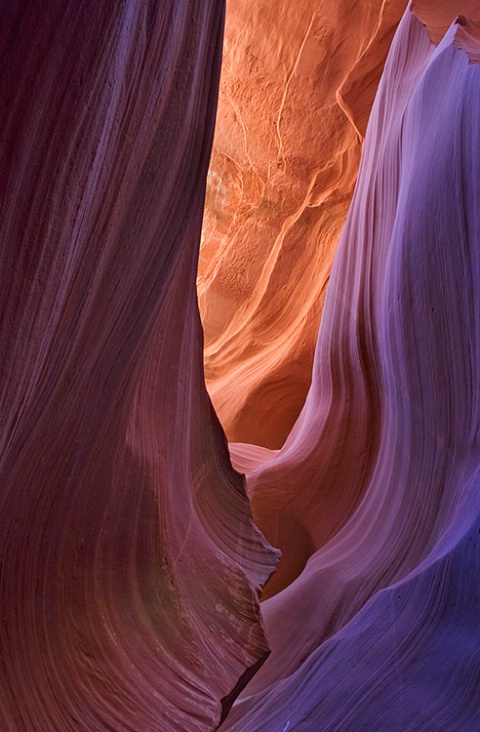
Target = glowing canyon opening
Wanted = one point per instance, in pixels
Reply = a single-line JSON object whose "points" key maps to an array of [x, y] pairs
{"points": [[331, 582]]}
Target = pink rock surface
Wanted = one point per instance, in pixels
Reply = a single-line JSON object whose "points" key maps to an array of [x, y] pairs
{"points": [[381, 629], [130, 568]]}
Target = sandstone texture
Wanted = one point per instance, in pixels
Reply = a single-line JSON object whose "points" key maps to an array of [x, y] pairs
{"points": [[298, 82], [132, 555], [373, 616], [130, 569]]}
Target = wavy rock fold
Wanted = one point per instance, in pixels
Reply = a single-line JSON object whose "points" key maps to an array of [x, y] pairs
{"points": [[128, 556]]}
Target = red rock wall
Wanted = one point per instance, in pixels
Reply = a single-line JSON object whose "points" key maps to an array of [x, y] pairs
{"points": [[128, 557]]}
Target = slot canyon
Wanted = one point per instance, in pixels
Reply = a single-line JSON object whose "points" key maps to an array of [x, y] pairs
{"points": [[240, 366]]}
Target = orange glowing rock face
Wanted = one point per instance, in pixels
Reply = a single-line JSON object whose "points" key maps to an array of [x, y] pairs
{"points": [[438, 15], [297, 86]]}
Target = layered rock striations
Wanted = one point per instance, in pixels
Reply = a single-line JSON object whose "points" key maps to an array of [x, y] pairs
{"points": [[130, 568], [298, 82], [380, 476]]}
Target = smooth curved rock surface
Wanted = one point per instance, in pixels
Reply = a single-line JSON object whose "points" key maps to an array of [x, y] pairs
{"points": [[438, 15], [381, 629], [130, 568], [298, 82]]}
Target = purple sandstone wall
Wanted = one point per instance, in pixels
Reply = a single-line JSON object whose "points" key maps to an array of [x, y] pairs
{"points": [[130, 568]]}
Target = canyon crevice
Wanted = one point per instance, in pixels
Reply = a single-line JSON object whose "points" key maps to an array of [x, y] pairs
{"points": [[338, 282]]}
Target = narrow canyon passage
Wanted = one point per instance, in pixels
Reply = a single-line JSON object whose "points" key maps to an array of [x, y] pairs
{"points": [[298, 81], [331, 305]]}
